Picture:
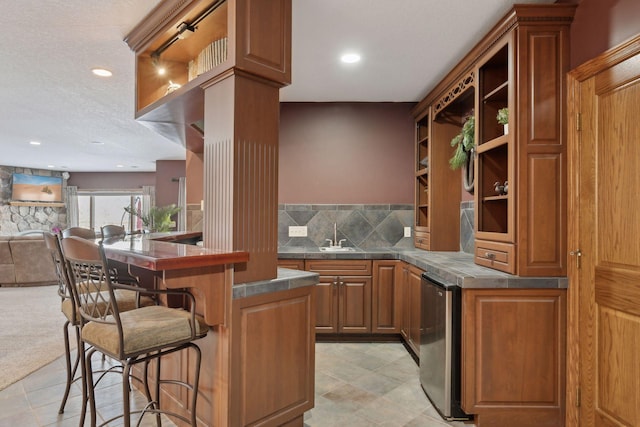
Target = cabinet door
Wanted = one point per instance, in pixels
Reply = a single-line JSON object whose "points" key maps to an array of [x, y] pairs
{"points": [[415, 277], [327, 305], [355, 304], [405, 319], [385, 298], [513, 356], [293, 264]]}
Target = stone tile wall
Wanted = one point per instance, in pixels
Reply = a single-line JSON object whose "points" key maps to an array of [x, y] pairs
{"points": [[20, 219], [364, 226], [467, 232]]}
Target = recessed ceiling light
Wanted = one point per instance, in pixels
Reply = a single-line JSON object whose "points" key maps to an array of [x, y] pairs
{"points": [[350, 58], [102, 72], [34, 142], [119, 166], [51, 166], [97, 142]]}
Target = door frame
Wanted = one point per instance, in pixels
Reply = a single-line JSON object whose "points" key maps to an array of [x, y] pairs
{"points": [[575, 78]]}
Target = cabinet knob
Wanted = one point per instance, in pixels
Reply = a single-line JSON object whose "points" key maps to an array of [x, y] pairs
{"points": [[490, 255]]}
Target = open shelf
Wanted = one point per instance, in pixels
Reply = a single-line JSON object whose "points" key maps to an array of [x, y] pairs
{"points": [[45, 204], [492, 144], [202, 52]]}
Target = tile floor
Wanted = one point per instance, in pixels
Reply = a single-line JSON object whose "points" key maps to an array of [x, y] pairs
{"points": [[365, 384], [357, 384]]}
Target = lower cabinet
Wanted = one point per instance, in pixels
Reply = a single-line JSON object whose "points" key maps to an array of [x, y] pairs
{"points": [[343, 296], [386, 300], [411, 314], [513, 356], [355, 296], [293, 264]]}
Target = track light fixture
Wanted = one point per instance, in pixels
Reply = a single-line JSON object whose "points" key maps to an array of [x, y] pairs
{"points": [[155, 61], [185, 30]]}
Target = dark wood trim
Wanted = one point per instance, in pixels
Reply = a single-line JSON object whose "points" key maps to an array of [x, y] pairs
{"points": [[519, 13]]}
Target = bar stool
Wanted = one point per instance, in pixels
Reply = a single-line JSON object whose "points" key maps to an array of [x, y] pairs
{"points": [[110, 231], [131, 337], [127, 300], [85, 233]]}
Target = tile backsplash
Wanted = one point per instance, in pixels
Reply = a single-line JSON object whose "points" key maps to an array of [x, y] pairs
{"points": [[467, 233], [364, 226]]}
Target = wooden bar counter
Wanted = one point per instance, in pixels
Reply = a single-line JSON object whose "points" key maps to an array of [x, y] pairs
{"points": [[258, 359]]}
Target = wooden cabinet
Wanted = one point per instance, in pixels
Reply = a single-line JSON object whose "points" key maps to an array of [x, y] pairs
{"points": [[522, 229], [386, 303], [411, 314], [513, 356], [343, 296], [272, 359], [436, 186], [185, 46], [520, 65], [293, 264]]}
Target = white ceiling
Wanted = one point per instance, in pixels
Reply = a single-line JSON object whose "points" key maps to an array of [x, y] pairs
{"points": [[48, 94]]}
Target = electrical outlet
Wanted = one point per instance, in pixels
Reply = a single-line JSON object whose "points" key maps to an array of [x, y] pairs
{"points": [[407, 232], [297, 231]]}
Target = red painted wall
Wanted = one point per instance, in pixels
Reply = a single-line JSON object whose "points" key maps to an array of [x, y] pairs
{"points": [[166, 188], [600, 25], [167, 174], [111, 180], [346, 153]]}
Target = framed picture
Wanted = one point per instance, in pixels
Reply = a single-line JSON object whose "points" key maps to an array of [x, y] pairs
{"points": [[36, 188]]}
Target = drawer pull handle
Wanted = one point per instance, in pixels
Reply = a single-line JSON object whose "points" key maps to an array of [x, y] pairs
{"points": [[490, 255]]}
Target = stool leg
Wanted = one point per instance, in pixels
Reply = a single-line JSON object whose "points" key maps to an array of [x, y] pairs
{"points": [[196, 381], [89, 384], [83, 368], [67, 353], [126, 387], [158, 415]]}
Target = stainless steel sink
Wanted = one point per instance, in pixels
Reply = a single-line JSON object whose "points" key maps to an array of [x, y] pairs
{"points": [[337, 249]]}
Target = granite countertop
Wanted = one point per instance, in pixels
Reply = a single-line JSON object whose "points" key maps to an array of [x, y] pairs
{"points": [[448, 267], [287, 279]]}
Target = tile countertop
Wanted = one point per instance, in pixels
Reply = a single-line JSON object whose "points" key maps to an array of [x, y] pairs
{"points": [[287, 279], [449, 267]]}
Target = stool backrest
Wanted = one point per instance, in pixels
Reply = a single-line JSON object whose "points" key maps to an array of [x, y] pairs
{"points": [[89, 273], [112, 230], [85, 233]]}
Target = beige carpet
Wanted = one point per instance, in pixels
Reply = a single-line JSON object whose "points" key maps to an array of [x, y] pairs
{"points": [[30, 331]]}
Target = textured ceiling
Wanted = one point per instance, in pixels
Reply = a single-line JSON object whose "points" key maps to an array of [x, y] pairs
{"points": [[48, 94]]}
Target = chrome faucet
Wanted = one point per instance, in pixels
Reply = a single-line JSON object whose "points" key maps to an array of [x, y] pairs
{"points": [[335, 243]]}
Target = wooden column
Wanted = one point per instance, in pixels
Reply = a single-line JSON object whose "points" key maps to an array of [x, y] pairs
{"points": [[241, 171]]}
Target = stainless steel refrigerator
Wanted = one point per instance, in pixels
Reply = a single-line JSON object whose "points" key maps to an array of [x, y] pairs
{"points": [[440, 346]]}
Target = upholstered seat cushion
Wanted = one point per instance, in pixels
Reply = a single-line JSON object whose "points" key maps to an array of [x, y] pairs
{"points": [[126, 301], [144, 329]]}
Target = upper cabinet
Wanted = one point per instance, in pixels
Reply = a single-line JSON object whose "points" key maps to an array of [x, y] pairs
{"points": [[184, 46], [519, 170]]}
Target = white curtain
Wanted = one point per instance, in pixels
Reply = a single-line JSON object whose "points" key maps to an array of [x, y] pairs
{"points": [[182, 203], [148, 198], [72, 206]]}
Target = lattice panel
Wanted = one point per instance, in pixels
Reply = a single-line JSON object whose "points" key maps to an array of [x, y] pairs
{"points": [[454, 92]]}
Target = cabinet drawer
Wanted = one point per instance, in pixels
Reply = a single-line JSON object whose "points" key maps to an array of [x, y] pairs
{"points": [[500, 256], [422, 240], [342, 267], [294, 264]]}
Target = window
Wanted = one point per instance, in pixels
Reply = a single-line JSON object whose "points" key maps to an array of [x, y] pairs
{"points": [[96, 209]]}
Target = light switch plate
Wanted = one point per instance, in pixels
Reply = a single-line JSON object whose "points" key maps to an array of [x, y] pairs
{"points": [[407, 232], [297, 231]]}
